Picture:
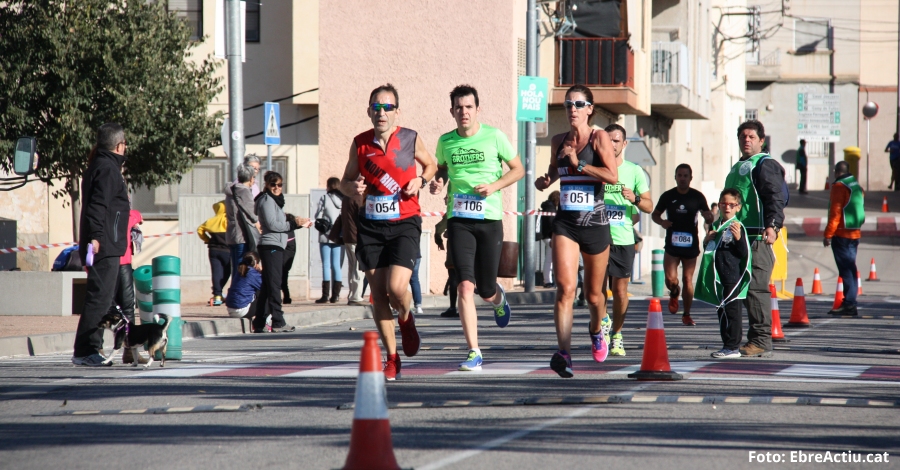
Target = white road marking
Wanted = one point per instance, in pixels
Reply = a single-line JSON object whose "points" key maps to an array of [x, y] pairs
{"points": [[824, 370], [756, 378], [800, 331], [685, 367], [504, 368], [493, 444]]}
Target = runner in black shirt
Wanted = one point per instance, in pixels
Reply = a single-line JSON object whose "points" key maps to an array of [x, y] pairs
{"points": [[681, 205]]}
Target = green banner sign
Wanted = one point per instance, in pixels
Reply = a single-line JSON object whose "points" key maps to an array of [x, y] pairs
{"points": [[532, 103]]}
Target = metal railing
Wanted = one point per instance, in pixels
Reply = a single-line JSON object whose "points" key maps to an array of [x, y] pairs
{"points": [[670, 64], [594, 62], [772, 58]]}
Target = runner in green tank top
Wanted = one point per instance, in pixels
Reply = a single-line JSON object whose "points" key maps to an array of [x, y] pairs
{"points": [[624, 200]]}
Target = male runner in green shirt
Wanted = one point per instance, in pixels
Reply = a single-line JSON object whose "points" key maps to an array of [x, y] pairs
{"points": [[623, 200], [473, 155]]}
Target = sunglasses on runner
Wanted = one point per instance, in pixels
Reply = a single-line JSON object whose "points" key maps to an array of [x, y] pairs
{"points": [[578, 104], [385, 106], [729, 205]]}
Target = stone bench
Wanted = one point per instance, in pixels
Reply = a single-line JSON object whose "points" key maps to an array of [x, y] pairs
{"points": [[57, 293]]}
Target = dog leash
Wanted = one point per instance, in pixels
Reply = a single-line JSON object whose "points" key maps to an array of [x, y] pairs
{"points": [[124, 324]]}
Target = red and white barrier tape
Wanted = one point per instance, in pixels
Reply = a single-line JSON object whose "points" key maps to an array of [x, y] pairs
{"points": [[59, 245], [161, 235]]}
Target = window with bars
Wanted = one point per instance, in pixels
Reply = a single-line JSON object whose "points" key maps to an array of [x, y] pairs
{"points": [[751, 115], [192, 12], [207, 177], [251, 30]]}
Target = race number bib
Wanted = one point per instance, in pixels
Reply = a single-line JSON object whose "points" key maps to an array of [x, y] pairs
{"points": [[576, 198], [383, 207], [682, 239], [468, 206], [616, 214]]}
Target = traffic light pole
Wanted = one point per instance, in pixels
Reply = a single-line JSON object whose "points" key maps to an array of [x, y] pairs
{"points": [[235, 84]]}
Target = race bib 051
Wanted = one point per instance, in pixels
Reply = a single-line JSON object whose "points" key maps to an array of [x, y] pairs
{"points": [[576, 198]]}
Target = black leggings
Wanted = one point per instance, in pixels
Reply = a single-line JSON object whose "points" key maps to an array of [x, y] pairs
{"points": [[730, 322], [475, 246], [124, 297], [220, 265], [269, 301]]}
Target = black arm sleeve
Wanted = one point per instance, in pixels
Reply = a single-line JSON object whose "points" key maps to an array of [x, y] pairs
{"points": [[97, 205], [769, 184]]}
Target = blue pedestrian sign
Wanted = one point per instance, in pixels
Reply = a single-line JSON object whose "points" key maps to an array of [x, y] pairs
{"points": [[272, 124]]}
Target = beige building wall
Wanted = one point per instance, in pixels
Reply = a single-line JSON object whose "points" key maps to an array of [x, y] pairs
{"points": [[429, 47], [28, 207]]}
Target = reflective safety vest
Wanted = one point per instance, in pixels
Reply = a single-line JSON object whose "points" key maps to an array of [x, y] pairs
{"points": [[741, 179], [709, 287], [854, 212]]}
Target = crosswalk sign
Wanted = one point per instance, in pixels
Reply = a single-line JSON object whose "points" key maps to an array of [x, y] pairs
{"points": [[272, 124]]}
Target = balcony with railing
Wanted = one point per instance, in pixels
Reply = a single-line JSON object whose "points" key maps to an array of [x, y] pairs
{"points": [[673, 92], [763, 68], [605, 65]]}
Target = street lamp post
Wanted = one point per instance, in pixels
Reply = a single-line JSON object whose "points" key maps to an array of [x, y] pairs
{"points": [[869, 111]]}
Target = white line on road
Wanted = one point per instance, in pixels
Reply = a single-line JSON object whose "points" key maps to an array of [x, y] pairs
{"points": [[804, 330], [460, 456], [756, 378]]}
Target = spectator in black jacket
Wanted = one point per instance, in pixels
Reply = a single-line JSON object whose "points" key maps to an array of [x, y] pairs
{"points": [[104, 231], [550, 205]]}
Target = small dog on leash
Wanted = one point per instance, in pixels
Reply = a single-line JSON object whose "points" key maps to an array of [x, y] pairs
{"points": [[133, 336]]}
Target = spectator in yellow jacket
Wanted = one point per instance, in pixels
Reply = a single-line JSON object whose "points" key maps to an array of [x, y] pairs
{"points": [[212, 232]]}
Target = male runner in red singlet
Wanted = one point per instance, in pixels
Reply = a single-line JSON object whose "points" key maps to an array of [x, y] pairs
{"points": [[390, 223]]}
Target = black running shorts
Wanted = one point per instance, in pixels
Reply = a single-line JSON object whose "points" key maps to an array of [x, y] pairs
{"points": [[591, 239], [621, 261], [383, 243], [475, 247]]}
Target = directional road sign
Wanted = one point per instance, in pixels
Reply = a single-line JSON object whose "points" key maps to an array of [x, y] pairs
{"points": [[819, 117], [272, 124]]}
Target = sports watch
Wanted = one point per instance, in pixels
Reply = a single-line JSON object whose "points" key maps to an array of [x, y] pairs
{"points": [[581, 165], [637, 199], [424, 181]]}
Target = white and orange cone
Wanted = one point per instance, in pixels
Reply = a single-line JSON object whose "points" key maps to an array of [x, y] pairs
{"points": [[370, 439], [838, 294], [799, 318], [858, 283], [777, 332], [817, 283], [873, 273], [655, 362], [884, 206]]}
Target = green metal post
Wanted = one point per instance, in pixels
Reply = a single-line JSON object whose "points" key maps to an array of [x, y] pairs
{"points": [[658, 275], [167, 300], [143, 292]]}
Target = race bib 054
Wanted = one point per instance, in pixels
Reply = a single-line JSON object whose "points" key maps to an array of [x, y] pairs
{"points": [[383, 207]]}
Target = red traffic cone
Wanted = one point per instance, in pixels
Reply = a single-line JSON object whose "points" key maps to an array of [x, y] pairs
{"points": [[838, 294], [777, 332], [884, 205], [858, 284], [817, 283], [370, 438], [873, 274], [798, 308], [655, 363]]}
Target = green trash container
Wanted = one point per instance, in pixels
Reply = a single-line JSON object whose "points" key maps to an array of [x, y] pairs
{"points": [[167, 300]]}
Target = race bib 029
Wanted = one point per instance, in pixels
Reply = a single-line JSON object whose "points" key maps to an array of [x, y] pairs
{"points": [[383, 207], [468, 206], [576, 198], [616, 214]]}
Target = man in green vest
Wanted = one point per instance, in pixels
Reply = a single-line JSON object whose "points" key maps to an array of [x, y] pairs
{"points": [[845, 217], [760, 181]]}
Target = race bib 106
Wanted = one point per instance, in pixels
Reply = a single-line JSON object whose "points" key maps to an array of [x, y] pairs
{"points": [[682, 239], [576, 198], [468, 206], [383, 207], [616, 214]]}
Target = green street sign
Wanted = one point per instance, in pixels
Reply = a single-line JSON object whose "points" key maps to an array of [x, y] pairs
{"points": [[532, 102]]}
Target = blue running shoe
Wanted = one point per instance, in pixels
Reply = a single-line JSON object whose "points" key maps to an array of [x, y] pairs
{"points": [[473, 362], [561, 363], [501, 312]]}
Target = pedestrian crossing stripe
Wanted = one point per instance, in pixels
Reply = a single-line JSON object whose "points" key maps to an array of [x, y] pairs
{"points": [[670, 347], [156, 411], [350, 370], [272, 130], [646, 399]]}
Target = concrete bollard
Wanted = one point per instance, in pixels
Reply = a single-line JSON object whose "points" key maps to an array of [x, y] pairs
{"points": [[143, 292], [658, 274], [167, 300]]}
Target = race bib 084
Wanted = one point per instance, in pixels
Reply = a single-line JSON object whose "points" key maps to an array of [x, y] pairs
{"points": [[616, 214], [383, 207], [682, 239], [468, 206], [576, 198]]}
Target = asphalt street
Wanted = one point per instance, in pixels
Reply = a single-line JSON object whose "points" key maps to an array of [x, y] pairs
{"points": [[284, 400]]}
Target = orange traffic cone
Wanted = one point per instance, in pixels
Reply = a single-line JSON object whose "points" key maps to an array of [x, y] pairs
{"points": [[817, 283], [777, 332], [884, 205], [838, 294], [873, 274], [798, 308], [858, 283], [370, 438], [655, 363]]}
